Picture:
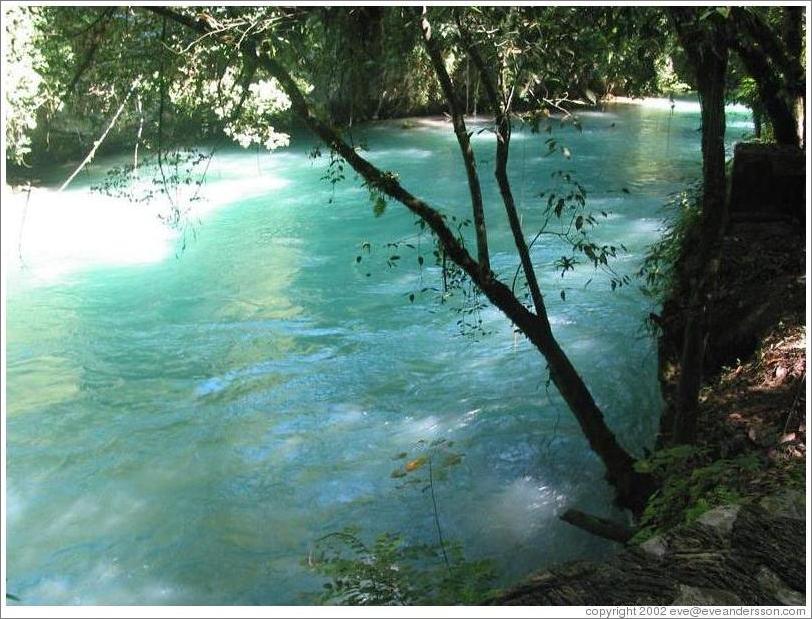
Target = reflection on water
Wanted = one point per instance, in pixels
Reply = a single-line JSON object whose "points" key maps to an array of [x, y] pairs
{"points": [[180, 429]]}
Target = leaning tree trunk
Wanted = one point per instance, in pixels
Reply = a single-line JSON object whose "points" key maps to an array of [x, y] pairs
{"points": [[632, 487], [707, 51]]}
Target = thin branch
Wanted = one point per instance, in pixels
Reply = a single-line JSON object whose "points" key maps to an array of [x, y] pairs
{"points": [[22, 223], [437, 517], [463, 138], [503, 131], [140, 132], [99, 142]]}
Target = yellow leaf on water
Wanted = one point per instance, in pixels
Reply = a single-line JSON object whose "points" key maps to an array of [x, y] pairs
{"points": [[415, 464]]}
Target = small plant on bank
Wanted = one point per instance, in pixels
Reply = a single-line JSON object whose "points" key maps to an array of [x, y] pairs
{"points": [[692, 483], [392, 570], [659, 271]]}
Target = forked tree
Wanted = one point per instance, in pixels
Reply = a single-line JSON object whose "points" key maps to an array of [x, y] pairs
{"points": [[632, 487]]}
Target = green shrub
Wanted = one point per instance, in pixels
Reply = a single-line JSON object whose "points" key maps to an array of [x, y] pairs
{"points": [[392, 571]]}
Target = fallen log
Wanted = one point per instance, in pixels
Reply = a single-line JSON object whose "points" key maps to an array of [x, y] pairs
{"points": [[601, 527]]}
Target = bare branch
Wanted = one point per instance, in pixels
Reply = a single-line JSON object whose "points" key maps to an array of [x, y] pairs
{"points": [[101, 139], [503, 130], [463, 138]]}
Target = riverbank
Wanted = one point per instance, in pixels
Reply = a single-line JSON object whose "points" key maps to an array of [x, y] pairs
{"points": [[751, 547], [682, 102], [727, 525]]}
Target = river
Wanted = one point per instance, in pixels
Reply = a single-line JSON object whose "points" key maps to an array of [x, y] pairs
{"points": [[189, 410]]}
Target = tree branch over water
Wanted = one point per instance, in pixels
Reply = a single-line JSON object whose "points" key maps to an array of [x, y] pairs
{"points": [[463, 138], [632, 487]]}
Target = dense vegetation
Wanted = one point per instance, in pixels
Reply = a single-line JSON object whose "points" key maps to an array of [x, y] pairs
{"points": [[160, 79]]}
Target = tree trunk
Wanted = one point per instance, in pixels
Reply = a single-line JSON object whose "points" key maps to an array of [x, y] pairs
{"points": [[633, 489], [779, 112], [463, 139], [503, 134], [707, 51], [792, 26], [773, 60]]}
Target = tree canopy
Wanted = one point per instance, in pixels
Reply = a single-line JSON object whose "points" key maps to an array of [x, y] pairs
{"points": [[69, 67]]}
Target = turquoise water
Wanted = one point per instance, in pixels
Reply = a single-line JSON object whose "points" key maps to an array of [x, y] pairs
{"points": [[183, 423]]}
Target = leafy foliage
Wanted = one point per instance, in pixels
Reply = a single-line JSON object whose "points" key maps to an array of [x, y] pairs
{"points": [[24, 92], [439, 453], [392, 571], [567, 219], [693, 483], [659, 269]]}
